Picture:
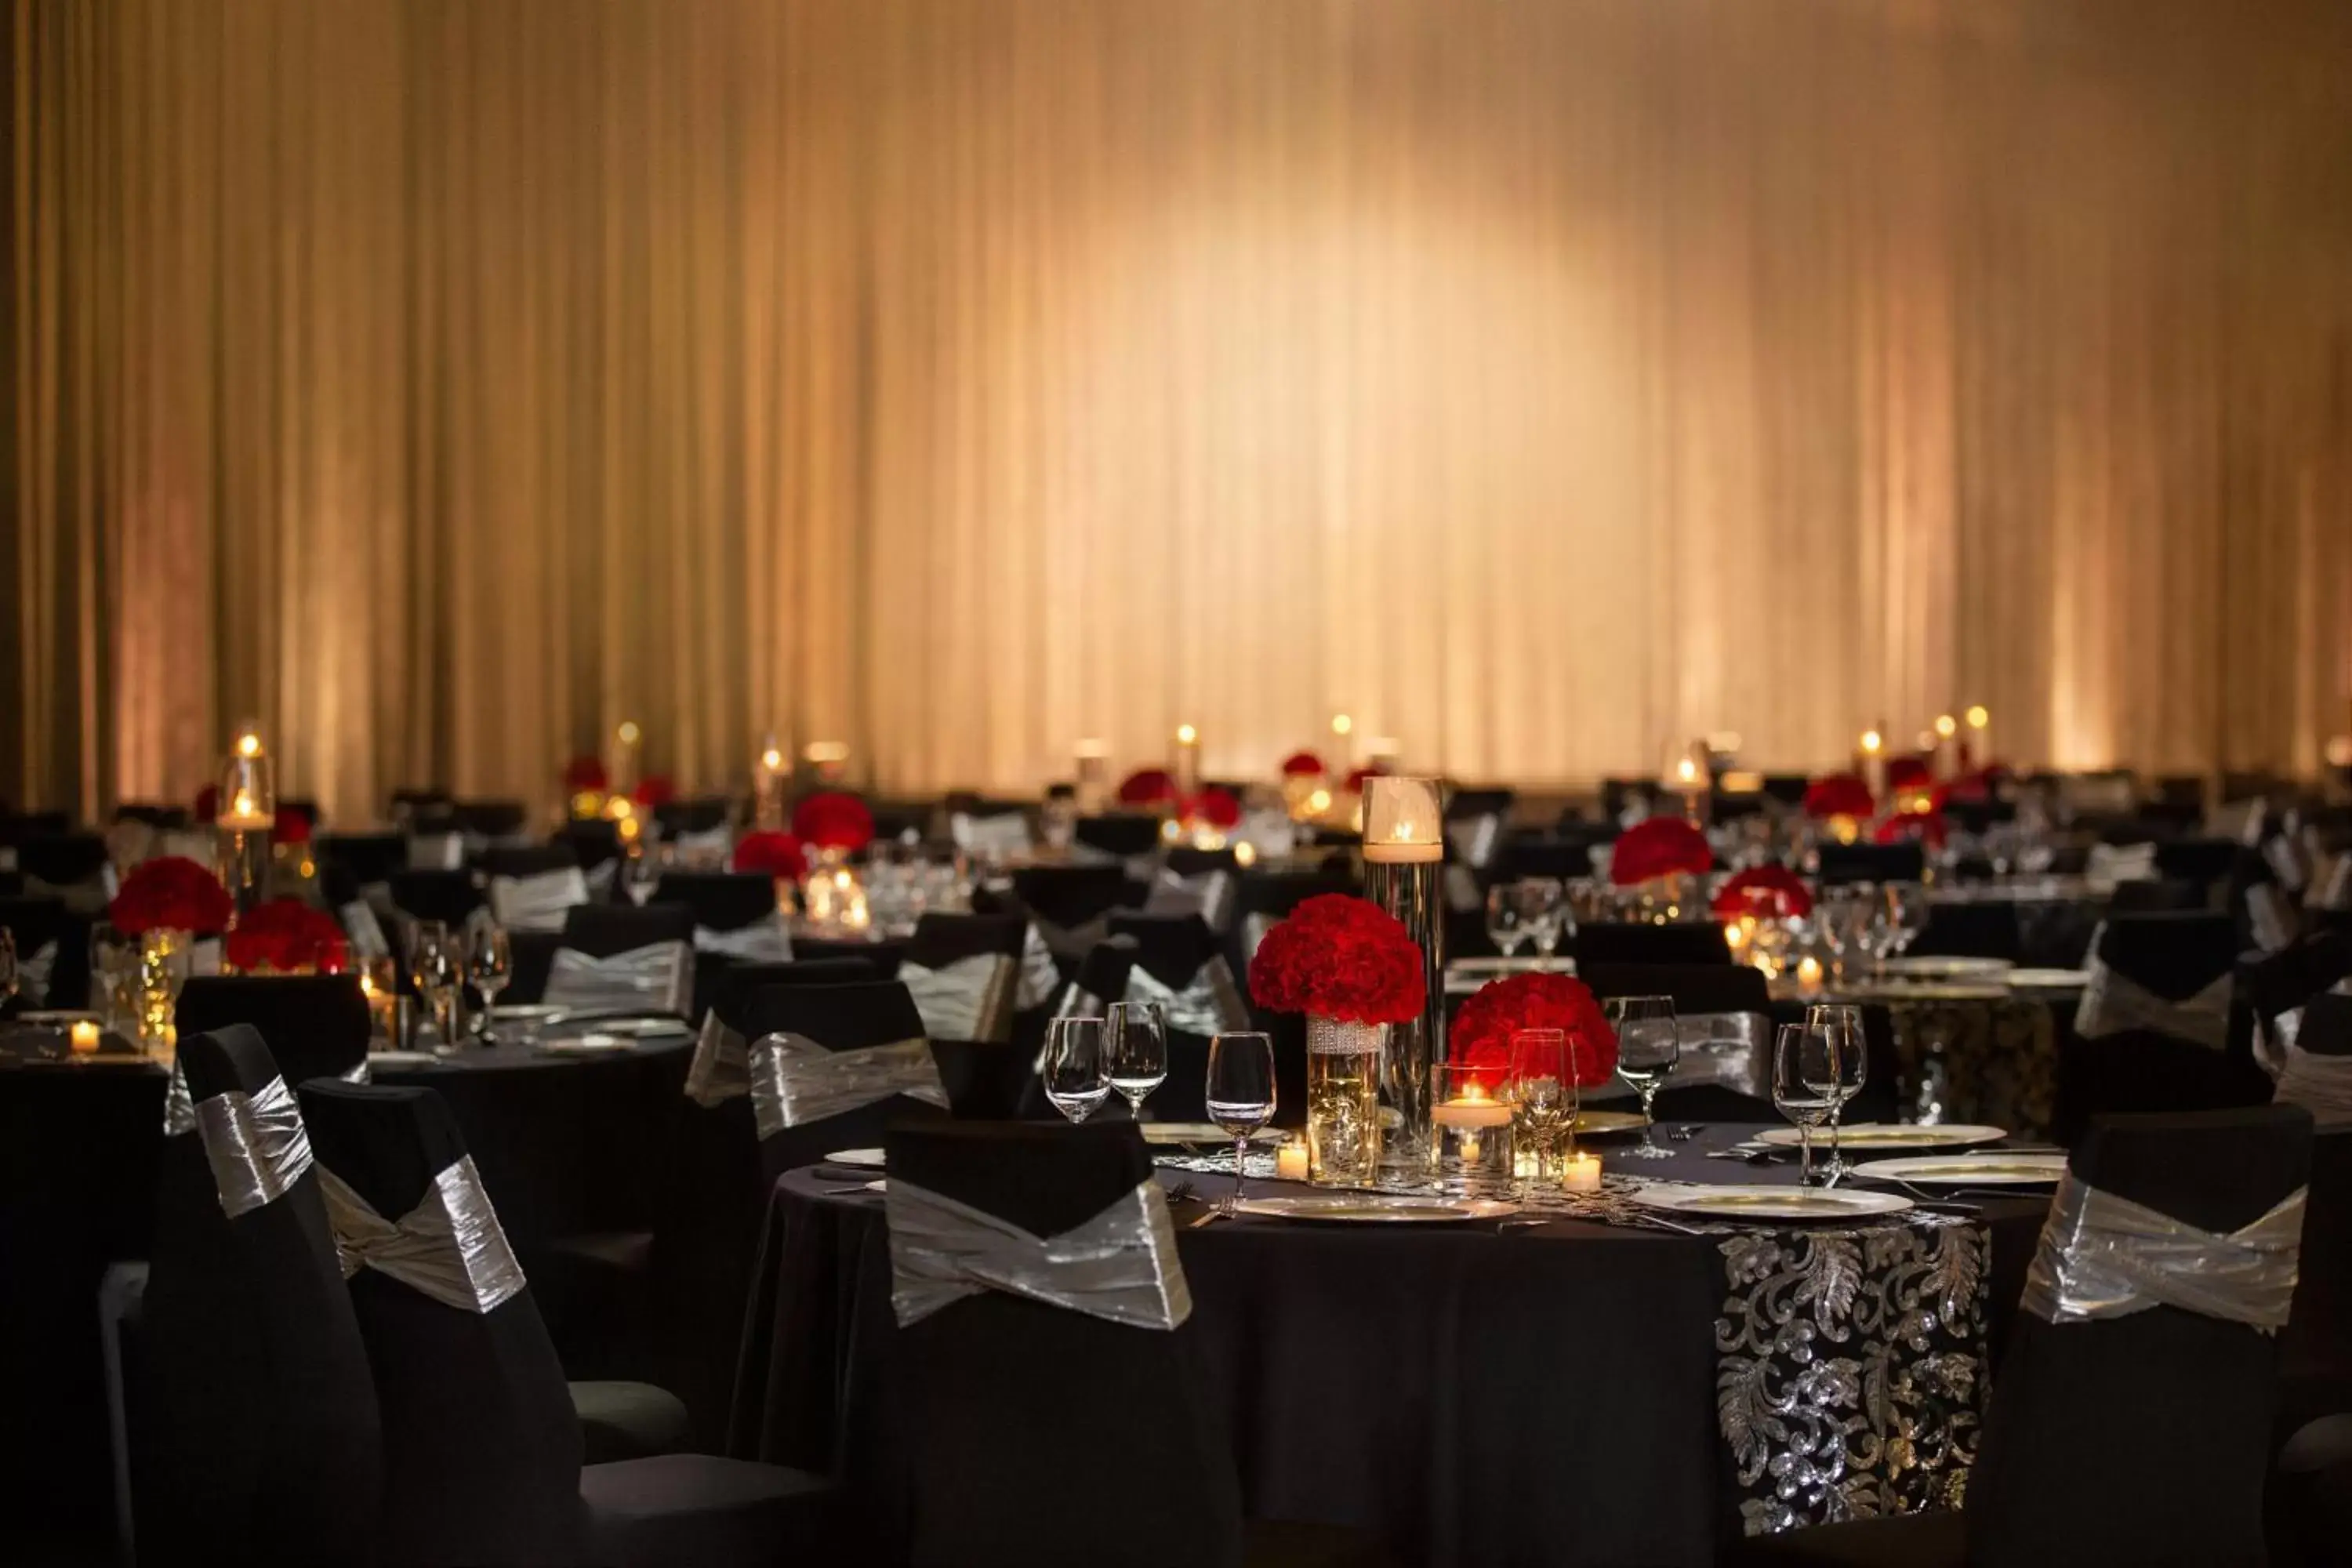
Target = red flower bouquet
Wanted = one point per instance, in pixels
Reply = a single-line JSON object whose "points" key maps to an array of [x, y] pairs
{"points": [[1339, 957], [584, 774], [170, 892], [1909, 774], [1926, 826], [771, 854], [208, 803], [1302, 766], [1147, 786], [291, 826], [1212, 808], [834, 821], [1766, 892], [1973, 788], [286, 936], [1839, 795], [653, 789], [1481, 1034], [1659, 846]]}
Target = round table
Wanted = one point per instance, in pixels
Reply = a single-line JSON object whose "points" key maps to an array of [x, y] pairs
{"points": [[1574, 1392]]}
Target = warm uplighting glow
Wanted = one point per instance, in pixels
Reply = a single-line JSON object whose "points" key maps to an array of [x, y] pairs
{"points": [[2340, 751], [1871, 740], [826, 751], [1978, 717], [1319, 802], [1186, 735], [1092, 750], [1342, 724], [627, 732], [1245, 853], [1947, 726]]}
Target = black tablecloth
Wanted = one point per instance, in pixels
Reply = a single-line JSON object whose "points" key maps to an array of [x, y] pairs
{"points": [[1544, 1396], [563, 1143]]}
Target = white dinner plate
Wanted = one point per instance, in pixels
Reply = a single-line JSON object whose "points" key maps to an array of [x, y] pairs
{"points": [[1377, 1208], [1886, 1135], [1202, 1133], [1771, 1203], [593, 1044], [864, 1158], [2047, 979], [1948, 968], [524, 1011], [53, 1019], [1991, 1168], [403, 1059]]}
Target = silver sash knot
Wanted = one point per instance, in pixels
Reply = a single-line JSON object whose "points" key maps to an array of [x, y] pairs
{"points": [[2320, 1084], [599, 879], [2120, 863], [721, 1068], [2285, 857], [1208, 1004], [180, 1106], [539, 902], [33, 974], [1474, 838], [436, 851], [449, 1247], [1039, 974], [1209, 894], [712, 844], [655, 978], [970, 999], [2113, 1004], [254, 1144], [2103, 1256], [2272, 916], [1004, 835], [764, 940], [795, 1081], [1120, 1265]]}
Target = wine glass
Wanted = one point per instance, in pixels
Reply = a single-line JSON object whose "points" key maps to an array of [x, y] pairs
{"points": [[436, 965], [1798, 1062], [1076, 1077], [1543, 1093], [1844, 913], [1907, 914], [1136, 1046], [1543, 910], [1240, 1092], [1843, 1059], [1649, 1043], [489, 964], [1503, 924]]}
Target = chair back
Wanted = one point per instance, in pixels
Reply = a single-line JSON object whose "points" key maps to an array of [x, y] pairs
{"points": [[964, 973], [992, 1399], [1971, 929], [621, 958], [448, 896], [1639, 941], [594, 841], [258, 1440], [2084, 1414], [735, 913], [1842, 863], [533, 886], [1179, 965], [843, 1021], [52, 949], [367, 858], [486, 822], [704, 814], [481, 1444], [1073, 895], [1123, 834], [1694, 987], [2153, 1027]]}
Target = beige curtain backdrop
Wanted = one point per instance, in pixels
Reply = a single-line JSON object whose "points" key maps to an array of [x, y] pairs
{"points": [[1542, 381]]}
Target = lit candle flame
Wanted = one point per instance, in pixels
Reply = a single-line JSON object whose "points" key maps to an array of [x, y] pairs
{"points": [[249, 744], [1186, 735], [771, 759], [1686, 770], [242, 806], [627, 732], [1342, 724], [1871, 740], [1947, 726], [1978, 717]]}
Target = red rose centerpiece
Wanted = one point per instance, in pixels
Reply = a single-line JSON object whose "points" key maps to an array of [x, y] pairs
{"points": [[1211, 808], [1924, 827], [777, 856], [653, 789], [286, 936], [167, 903], [1352, 968], [1148, 787], [1659, 849], [1764, 893], [1482, 1033], [834, 823], [1302, 766], [584, 783], [1839, 795]]}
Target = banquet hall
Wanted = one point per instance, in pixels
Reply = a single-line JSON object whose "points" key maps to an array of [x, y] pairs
{"points": [[1422, 784]]}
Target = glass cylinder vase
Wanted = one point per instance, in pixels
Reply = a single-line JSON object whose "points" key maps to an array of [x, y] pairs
{"points": [[1405, 854], [1343, 1102], [163, 969]]}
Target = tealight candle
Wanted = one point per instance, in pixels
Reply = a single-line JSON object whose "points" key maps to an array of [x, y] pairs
{"points": [[84, 1036], [1580, 1172], [1290, 1160], [1809, 973], [1468, 1116]]}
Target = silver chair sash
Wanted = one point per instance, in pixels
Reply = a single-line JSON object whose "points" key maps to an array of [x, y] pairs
{"points": [[449, 1247], [1039, 973], [655, 978], [538, 901], [254, 1144], [32, 972], [2335, 891], [796, 1082], [1209, 894], [436, 851], [1474, 837], [180, 1107], [88, 897], [970, 999], [2112, 1003], [2272, 915], [1120, 1265], [722, 1069], [1733, 1050], [1000, 836], [2274, 1039], [765, 940], [1208, 1004], [719, 841], [2321, 1085], [2102, 1257], [2285, 860], [599, 878], [365, 932], [2121, 863]]}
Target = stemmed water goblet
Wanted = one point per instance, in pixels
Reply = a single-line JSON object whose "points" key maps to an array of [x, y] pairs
{"points": [[1906, 907], [489, 964], [1800, 1063], [1076, 1077], [1240, 1094], [436, 965], [1136, 1047], [1842, 1060], [1505, 927], [1543, 911], [1649, 1043]]}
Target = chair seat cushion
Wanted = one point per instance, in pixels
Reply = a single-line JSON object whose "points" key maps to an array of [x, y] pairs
{"points": [[1288, 1544], [628, 1421], [693, 1508], [1901, 1541]]}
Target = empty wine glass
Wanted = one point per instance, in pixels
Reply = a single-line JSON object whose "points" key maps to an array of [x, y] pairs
{"points": [[1136, 1044], [1240, 1093], [1649, 1043], [1504, 923], [1843, 1058], [436, 965], [1844, 913], [1543, 911], [489, 964], [1543, 1094], [1076, 1077], [1907, 914], [1799, 1061]]}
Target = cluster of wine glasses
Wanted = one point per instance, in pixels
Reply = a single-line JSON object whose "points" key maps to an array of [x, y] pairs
{"points": [[1817, 1067], [1873, 922], [1127, 1050], [441, 962], [1534, 908]]}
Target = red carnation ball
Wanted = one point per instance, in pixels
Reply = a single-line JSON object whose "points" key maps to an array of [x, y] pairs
{"points": [[1302, 764], [1336, 956], [1909, 772], [1765, 892], [1147, 786], [1212, 807], [1839, 795], [584, 774], [286, 936], [170, 892], [1659, 846], [653, 789], [1481, 1034], [770, 854], [834, 820], [291, 828], [1905, 826]]}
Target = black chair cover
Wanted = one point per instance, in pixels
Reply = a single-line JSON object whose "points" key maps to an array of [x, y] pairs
{"points": [[1638, 942], [36, 920], [2175, 956], [594, 841], [449, 897], [528, 859], [722, 900], [162, 818], [704, 814], [62, 860], [1987, 929], [1872, 863], [1173, 949], [16, 827], [488, 818], [840, 1018], [1124, 834], [1073, 895], [365, 858], [1694, 987]]}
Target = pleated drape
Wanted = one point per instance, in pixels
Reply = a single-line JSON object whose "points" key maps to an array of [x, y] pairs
{"points": [[441, 381]]}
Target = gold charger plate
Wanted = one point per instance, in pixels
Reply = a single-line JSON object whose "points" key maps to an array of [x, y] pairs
{"points": [[1886, 1135], [1375, 1209], [1755, 1203], [1601, 1123]]}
